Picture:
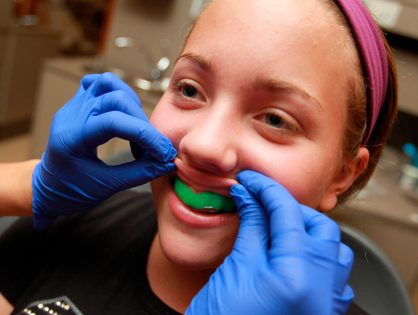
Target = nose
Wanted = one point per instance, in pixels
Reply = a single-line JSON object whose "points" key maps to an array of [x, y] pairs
{"points": [[211, 142]]}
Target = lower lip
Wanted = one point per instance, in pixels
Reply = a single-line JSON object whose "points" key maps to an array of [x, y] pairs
{"points": [[194, 218]]}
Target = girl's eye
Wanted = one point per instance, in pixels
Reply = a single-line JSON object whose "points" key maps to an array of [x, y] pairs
{"points": [[188, 90], [274, 120], [276, 126], [277, 121]]}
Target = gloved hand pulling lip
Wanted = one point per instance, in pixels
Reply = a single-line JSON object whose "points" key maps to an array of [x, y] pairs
{"points": [[201, 181]]}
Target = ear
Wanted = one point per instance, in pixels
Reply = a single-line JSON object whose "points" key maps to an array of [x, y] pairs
{"points": [[344, 179]]}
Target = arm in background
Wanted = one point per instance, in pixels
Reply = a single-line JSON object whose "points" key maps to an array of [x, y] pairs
{"points": [[16, 188]]}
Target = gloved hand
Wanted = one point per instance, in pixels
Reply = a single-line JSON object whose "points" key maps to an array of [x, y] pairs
{"points": [[287, 258], [71, 178]]}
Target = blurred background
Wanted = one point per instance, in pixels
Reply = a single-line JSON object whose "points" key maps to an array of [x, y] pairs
{"points": [[46, 46]]}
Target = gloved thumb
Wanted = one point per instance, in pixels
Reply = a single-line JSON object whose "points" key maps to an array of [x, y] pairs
{"points": [[253, 232], [88, 80], [342, 303]]}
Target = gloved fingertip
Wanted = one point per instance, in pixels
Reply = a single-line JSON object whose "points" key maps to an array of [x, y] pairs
{"points": [[348, 293], [162, 169], [170, 166], [343, 301], [243, 199], [102, 84], [241, 196], [88, 79], [241, 175], [254, 180], [168, 154], [345, 255], [171, 154], [238, 190]]}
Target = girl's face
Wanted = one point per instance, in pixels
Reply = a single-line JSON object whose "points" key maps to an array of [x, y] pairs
{"points": [[260, 85]]}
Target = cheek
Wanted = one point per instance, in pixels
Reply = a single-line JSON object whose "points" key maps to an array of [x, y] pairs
{"points": [[303, 170]]}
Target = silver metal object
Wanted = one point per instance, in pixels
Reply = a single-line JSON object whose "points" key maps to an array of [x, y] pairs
{"points": [[157, 68]]}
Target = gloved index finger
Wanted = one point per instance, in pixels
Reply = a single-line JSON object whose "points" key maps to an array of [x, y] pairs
{"points": [[88, 80], [108, 82], [344, 266], [100, 129], [118, 101], [320, 226], [284, 211]]}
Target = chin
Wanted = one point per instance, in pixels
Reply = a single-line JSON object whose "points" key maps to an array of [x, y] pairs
{"points": [[190, 254]]}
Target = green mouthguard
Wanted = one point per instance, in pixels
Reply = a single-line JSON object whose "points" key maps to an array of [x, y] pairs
{"points": [[211, 201]]}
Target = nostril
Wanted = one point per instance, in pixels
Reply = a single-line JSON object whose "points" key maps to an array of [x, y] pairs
{"points": [[213, 167], [218, 167], [212, 162]]}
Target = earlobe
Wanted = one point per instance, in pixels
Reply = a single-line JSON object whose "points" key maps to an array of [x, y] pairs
{"points": [[344, 179]]}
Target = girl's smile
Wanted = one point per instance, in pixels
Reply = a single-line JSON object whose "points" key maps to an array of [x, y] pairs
{"points": [[195, 218]]}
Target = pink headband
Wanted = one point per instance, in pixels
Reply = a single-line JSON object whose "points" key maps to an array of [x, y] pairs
{"points": [[373, 56]]}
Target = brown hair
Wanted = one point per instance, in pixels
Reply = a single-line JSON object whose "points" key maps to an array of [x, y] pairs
{"points": [[357, 116]]}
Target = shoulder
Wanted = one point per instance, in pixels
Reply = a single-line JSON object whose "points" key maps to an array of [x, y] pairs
{"points": [[119, 231], [119, 220], [123, 208], [115, 218]]}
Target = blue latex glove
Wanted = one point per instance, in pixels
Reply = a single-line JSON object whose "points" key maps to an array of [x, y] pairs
{"points": [[71, 178], [287, 259]]}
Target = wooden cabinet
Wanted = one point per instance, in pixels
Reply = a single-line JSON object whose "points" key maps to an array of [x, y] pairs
{"points": [[22, 51]]}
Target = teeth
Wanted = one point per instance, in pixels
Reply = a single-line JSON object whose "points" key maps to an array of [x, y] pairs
{"points": [[208, 210], [209, 202]]}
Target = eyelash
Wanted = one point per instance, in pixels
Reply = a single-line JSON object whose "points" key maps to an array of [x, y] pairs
{"points": [[277, 134], [182, 84], [281, 119]]}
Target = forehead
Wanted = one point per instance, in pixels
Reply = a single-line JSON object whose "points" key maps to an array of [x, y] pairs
{"points": [[295, 39], [268, 23]]}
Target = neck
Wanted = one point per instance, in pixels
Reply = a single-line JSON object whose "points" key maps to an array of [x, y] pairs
{"points": [[173, 284]]}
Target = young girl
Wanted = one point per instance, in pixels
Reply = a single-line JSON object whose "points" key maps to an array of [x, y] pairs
{"points": [[282, 105]]}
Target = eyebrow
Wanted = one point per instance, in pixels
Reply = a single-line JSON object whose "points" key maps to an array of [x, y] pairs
{"points": [[268, 84], [198, 60], [277, 86]]}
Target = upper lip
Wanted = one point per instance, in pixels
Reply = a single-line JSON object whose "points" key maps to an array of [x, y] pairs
{"points": [[201, 181]]}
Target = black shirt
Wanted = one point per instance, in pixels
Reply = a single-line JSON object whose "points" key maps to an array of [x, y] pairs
{"points": [[85, 264], [89, 264]]}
